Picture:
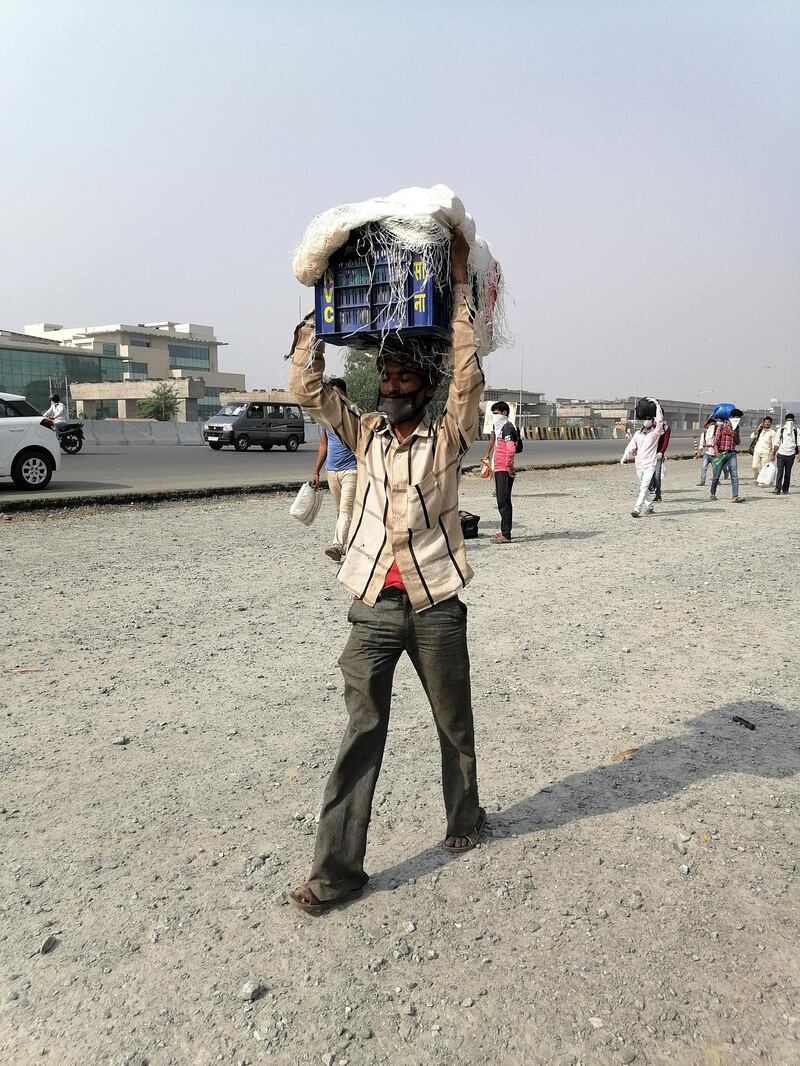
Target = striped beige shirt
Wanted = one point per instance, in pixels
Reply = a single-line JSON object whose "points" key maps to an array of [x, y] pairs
{"points": [[406, 505]]}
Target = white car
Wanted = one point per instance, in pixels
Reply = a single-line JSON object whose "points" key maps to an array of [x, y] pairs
{"points": [[29, 451]]}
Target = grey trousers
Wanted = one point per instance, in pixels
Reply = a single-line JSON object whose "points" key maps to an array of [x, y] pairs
{"points": [[436, 643]]}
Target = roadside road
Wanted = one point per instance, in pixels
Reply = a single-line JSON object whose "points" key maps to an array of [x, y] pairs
{"points": [[119, 470]]}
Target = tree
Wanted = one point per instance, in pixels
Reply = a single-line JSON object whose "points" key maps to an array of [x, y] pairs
{"points": [[161, 404], [361, 376]]}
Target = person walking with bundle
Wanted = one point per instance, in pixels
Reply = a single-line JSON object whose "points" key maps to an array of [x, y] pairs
{"points": [[341, 467], [503, 447], [784, 454], [405, 566], [643, 448], [763, 443], [726, 441]]}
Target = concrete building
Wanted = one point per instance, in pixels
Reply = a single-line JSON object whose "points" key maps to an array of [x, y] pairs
{"points": [[35, 368], [121, 399], [150, 351], [615, 417]]}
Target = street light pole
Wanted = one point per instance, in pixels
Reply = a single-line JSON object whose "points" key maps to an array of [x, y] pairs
{"points": [[785, 370], [703, 392], [521, 367]]}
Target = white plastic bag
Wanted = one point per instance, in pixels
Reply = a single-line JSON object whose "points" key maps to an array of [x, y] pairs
{"points": [[306, 504], [767, 476]]}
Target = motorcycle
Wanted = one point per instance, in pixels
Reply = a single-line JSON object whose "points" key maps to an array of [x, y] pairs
{"points": [[70, 437]]}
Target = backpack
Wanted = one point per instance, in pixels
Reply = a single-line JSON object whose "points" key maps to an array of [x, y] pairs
{"points": [[517, 434]]}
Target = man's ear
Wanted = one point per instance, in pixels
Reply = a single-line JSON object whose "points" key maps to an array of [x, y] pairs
{"points": [[430, 391]]}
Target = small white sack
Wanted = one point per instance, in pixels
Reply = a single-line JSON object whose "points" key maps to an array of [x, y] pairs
{"points": [[768, 475], [306, 504]]}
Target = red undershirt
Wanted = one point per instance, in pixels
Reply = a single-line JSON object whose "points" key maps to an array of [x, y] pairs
{"points": [[394, 579]]}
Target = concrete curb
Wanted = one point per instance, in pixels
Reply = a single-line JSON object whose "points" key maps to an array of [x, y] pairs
{"points": [[120, 499]]}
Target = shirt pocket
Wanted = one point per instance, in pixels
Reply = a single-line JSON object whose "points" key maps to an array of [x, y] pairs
{"points": [[424, 503]]}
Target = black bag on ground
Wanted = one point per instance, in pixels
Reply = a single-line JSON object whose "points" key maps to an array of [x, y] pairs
{"points": [[645, 409], [469, 524]]}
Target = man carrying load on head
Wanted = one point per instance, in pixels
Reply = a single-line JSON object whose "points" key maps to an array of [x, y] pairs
{"points": [[643, 449], [726, 441], [405, 565]]}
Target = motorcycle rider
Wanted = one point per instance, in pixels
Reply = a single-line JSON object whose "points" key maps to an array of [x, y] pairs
{"points": [[58, 412]]}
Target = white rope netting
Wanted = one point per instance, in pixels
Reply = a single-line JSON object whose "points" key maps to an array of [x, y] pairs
{"points": [[419, 221]]}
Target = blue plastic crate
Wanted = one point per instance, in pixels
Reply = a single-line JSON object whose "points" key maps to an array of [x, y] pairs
{"points": [[351, 300]]}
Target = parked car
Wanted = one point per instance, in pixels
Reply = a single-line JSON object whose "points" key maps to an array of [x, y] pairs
{"points": [[29, 451], [242, 423]]}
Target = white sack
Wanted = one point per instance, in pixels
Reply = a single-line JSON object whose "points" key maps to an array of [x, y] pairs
{"points": [[419, 220], [768, 475], [306, 504]]}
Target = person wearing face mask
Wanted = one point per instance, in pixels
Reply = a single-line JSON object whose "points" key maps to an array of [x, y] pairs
{"points": [[763, 441], [726, 441], [405, 565], [643, 449], [501, 452], [705, 448], [784, 454]]}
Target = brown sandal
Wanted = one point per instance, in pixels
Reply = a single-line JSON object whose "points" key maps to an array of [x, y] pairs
{"points": [[304, 900], [473, 838]]}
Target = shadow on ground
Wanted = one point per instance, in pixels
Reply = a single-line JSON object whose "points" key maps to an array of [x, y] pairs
{"points": [[566, 534], [712, 745]]}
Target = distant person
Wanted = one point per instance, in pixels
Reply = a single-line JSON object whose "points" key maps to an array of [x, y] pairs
{"points": [[502, 452], [705, 448], [342, 474], [784, 454], [764, 442], [726, 441], [643, 448], [661, 455], [58, 412]]}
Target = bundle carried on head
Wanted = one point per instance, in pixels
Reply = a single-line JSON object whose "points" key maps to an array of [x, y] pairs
{"points": [[416, 224]]}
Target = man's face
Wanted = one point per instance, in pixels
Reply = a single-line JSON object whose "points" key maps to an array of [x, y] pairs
{"points": [[767, 423], [398, 380]]}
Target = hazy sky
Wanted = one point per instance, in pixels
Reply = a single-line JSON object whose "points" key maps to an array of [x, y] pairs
{"points": [[635, 165]]}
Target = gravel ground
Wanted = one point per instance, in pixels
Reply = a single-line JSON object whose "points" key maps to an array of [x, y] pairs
{"points": [[167, 727]]}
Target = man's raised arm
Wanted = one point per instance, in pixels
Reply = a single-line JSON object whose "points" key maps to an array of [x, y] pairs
{"points": [[306, 384], [466, 388]]}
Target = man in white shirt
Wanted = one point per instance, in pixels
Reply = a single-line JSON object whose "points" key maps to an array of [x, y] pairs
{"points": [[57, 411], [784, 453], [765, 440], [644, 448], [705, 448]]}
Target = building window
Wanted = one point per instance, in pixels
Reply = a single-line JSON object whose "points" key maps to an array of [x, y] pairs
{"points": [[108, 349], [208, 404], [189, 357], [135, 371], [136, 342], [36, 374]]}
